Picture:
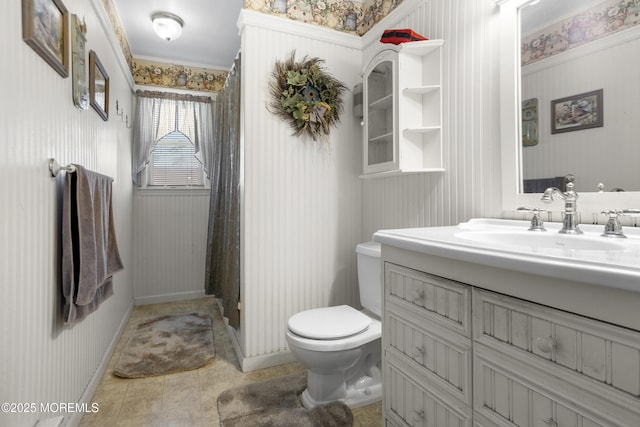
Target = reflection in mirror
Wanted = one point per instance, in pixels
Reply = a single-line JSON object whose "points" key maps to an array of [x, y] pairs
{"points": [[571, 52]]}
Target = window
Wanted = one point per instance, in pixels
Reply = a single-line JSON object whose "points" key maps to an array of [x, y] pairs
{"points": [[174, 163], [172, 140]]}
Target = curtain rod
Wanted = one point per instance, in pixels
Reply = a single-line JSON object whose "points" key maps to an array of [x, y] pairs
{"points": [[174, 96]]}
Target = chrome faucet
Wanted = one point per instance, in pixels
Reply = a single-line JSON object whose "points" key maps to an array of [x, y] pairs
{"points": [[570, 197]]}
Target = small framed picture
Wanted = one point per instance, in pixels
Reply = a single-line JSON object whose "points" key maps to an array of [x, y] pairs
{"points": [[577, 112], [98, 86], [45, 27], [79, 63]]}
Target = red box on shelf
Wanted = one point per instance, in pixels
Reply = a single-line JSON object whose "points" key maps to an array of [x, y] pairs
{"points": [[400, 36]]}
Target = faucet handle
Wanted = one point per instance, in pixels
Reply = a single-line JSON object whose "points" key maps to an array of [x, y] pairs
{"points": [[631, 212], [536, 221], [613, 228]]}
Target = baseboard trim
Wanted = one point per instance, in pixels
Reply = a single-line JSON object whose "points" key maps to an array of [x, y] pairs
{"points": [[91, 388], [248, 364], [178, 296]]}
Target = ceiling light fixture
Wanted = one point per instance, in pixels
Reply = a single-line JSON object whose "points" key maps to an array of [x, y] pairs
{"points": [[167, 25]]}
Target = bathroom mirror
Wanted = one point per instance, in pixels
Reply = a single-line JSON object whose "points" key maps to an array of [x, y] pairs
{"points": [[552, 57]]}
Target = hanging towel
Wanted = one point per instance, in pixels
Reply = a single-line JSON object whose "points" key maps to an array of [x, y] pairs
{"points": [[90, 254]]}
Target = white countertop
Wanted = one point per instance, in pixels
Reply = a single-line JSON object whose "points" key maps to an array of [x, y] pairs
{"points": [[588, 258]]}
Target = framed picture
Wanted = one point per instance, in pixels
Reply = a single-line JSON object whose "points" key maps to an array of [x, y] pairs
{"points": [[45, 27], [577, 112], [79, 63], [530, 122], [98, 86]]}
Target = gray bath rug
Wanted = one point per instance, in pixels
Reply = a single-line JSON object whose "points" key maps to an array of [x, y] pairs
{"points": [[166, 345], [276, 403]]}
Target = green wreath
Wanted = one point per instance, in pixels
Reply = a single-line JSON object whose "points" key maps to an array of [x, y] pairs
{"points": [[306, 96]]}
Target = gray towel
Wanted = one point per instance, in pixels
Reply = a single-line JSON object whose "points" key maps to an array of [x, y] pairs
{"points": [[90, 254]]}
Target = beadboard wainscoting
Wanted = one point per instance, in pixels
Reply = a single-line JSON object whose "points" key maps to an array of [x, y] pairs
{"points": [[169, 244], [43, 362], [470, 185], [300, 207]]}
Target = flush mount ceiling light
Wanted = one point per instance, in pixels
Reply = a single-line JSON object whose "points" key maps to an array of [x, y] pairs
{"points": [[167, 25]]}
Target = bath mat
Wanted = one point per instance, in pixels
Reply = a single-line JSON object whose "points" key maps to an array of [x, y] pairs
{"points": [[276, 403], [166, 345]]}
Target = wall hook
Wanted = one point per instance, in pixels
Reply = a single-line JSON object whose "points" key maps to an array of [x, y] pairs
{"points": [[118, 110], [126, 123]]}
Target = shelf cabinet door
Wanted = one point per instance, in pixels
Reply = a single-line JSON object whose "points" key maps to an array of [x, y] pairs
{"points": [[380, 149]]}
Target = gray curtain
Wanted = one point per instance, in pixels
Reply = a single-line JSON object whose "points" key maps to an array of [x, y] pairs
{"points": [[160, 113], [222, 277]]}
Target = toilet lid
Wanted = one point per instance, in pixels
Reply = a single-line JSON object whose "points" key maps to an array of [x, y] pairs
{"points": [[329, 323]]}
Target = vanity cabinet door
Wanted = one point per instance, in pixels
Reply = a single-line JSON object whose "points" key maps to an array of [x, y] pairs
{"points": [[509, 394], [432, 298], [411, 401], [442, 356], [581, 349], [534, 363]]}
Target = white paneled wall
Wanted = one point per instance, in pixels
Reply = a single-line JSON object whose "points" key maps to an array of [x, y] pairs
{"points": [[170, 244], [470, 185], [42, 361], [300, 198]]}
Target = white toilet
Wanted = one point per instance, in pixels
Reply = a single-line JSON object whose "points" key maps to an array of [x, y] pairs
{"points": [[340, 346]]}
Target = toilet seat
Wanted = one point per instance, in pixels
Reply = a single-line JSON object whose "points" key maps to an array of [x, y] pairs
{"points": [[329, 323]]}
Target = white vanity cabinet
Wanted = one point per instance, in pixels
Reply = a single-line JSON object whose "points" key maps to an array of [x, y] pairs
{"points": [[427, 349], [403, 109], [457, 353]]}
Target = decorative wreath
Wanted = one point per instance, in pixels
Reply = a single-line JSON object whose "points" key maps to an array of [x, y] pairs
{"points": [[306, 96]]}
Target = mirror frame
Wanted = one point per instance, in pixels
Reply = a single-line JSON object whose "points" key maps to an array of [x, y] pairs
{"points": [[510, 111]]}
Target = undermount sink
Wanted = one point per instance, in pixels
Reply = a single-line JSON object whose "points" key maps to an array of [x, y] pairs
{"points": [[549, 240]]}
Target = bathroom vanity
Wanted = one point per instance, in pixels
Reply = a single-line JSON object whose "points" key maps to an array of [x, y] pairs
{"points": [[489, 324]]}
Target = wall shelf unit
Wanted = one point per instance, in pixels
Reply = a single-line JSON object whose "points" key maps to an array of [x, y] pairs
{"points": [[403, 110]]}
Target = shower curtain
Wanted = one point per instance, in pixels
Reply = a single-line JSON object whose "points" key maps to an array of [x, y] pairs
{"points": [[222, 277]]}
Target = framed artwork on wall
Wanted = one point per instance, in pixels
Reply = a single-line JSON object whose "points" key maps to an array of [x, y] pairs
{"points": [[577, 112], [98, 86], [530, 122], [45, 26], [79, 63]]}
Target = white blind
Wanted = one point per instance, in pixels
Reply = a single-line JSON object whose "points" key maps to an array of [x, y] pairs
{"points": [[174, 163]]}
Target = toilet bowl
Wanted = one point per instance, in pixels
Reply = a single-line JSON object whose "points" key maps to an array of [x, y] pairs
{"points": [[340, 346]]}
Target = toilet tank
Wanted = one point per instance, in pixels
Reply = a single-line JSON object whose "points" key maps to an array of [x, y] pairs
{"points": [[370, 276]]}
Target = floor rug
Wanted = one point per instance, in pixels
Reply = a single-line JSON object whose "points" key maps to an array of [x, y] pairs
{"points": [[166, 345], [276, 403]]}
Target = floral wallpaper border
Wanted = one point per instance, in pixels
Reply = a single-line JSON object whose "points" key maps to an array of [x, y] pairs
{"points": [[177, 76], [353, 16], [600, 21]]}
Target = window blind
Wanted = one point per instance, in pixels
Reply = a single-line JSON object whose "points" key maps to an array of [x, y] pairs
{"points": [[174, 162]]}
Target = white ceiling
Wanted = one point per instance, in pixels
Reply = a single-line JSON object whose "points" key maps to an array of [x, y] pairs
{"points": [[209, 36]]}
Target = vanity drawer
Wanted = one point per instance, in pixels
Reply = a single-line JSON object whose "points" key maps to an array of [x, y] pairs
{"points": [[410, 401], [446, 360], [590, 349], [508, 393], [440, 300]]}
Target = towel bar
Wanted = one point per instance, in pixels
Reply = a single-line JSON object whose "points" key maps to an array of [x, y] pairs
{"points": [[55, 167]]}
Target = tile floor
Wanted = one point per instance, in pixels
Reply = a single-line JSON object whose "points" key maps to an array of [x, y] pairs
{"points": [[189, 398]]}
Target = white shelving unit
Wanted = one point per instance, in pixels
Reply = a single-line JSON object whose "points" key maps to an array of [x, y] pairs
{"points": [[403, 110]]}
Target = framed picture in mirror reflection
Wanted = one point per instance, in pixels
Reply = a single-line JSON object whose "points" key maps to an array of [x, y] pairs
{"points": [[98, 86], [530, 122], [577, 112]]}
